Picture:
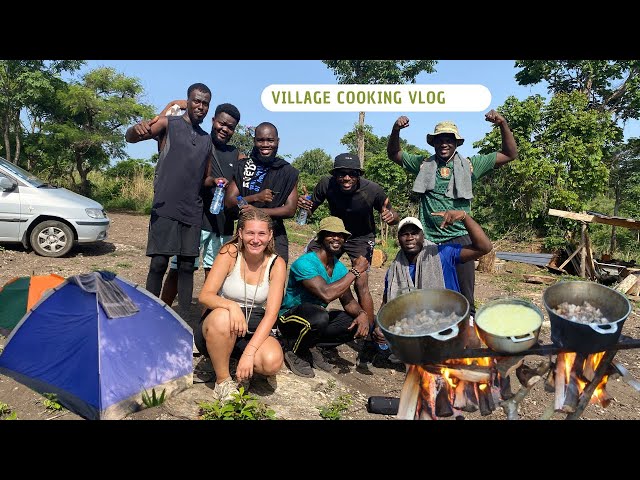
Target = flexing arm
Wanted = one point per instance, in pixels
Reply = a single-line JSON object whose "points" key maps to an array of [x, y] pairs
{"points": [[509, 149], [328, 292], [480, 243], [394, 152]]}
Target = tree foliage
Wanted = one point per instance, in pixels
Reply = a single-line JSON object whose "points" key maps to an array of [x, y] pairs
{"points": [[376, 72]]}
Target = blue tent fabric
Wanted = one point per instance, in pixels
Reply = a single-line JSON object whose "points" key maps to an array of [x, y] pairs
{"points": [[98, 366]]}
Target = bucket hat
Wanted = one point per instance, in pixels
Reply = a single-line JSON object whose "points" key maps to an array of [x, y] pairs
{"points": [[347, 161], [333, 225], [445, 127]]}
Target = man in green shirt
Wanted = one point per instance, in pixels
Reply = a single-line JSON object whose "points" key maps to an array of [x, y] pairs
{"points": [[445, 180]]}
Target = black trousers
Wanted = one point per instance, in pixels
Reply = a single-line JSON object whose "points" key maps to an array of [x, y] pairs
{"points": [[308, 325]]}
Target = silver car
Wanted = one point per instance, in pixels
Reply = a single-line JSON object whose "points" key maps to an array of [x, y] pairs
{"points": [[46, 218]]}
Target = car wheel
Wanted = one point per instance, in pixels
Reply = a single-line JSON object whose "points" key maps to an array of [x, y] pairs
{"points": [[51, 238]]}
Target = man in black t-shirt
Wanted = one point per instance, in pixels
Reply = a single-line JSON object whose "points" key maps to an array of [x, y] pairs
{"points": [[216, 229], [353, 199]]}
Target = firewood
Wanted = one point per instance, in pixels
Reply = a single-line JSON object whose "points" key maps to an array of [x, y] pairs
{"points": [[560, 382], [507, 365], [627, 284], [572, 390], [549, 383], [527, 375], [443, 403], [510, 406], [470, 373], [484, 398], [505, 388], [585, 397], [409, 395], [465, 397], [539, 279]]}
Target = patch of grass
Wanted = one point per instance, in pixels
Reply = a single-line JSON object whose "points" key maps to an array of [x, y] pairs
{"points": [[153, 400], [242, 407], [124, 265], [50, 402], [335, 409]]}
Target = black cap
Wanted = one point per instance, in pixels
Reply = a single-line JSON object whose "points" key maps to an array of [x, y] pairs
{"points": [[348, 161]]}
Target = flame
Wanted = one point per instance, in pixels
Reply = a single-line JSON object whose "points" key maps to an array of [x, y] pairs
{"points": [[590, 363]]}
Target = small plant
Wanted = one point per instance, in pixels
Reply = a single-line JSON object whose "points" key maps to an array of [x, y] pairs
{"points": [[6, 413], [124, 265], [335, 409], [51, 402], [153, 400], [242, 407]]}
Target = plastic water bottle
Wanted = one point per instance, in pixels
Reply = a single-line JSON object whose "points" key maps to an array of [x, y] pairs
{"points": [[218, 199], [241, 201], [303, 213]]}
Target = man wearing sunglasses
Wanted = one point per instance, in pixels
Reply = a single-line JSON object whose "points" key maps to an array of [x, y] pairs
{"points": [[353, 199]]}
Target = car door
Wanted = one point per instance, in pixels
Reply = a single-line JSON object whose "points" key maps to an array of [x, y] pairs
{"points": [[10, 217]]}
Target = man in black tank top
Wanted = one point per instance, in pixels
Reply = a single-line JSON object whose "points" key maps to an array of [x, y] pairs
{"points": [[216, 229], [183, 167]]}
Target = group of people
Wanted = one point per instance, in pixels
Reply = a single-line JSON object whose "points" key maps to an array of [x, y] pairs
{"points": [[253, 310]]}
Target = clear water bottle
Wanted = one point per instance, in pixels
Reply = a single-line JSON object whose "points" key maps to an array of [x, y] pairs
{"points": [[218, 199], [241, 201], [303, 213]]}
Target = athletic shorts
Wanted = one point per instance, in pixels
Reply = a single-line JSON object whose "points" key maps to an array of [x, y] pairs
{"points": [[167, 236], [210, 244]]}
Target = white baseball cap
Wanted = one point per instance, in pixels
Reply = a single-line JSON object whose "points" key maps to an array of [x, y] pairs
{"points": [[410, 221]]}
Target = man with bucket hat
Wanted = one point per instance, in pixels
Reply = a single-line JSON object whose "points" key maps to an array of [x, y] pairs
{"points": [[445, 182], [353, 199], [315, 280]]}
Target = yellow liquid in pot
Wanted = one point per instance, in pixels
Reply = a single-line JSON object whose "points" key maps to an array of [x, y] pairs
{"points": [[509, 320]]}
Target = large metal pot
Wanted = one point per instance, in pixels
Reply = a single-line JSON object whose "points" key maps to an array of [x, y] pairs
{"points": [[586, 337], [513, 343], [431, 347]]}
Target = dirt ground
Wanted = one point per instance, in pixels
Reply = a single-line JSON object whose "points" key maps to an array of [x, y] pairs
{"points": [[296, 397]]}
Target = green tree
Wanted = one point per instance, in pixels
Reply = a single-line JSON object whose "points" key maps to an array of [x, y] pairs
{"points": [[376, 72], [92, 118], [243, 138], [609, 85], [312, 165], [25, 85]]}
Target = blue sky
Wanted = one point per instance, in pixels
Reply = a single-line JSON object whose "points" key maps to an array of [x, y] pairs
{"points": [[241, 82]]}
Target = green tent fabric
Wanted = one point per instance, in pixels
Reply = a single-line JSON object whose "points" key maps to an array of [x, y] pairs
{"points": [[13, 302]]}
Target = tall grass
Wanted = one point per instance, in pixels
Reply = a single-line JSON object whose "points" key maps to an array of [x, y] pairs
{"points": [[133, 193]]}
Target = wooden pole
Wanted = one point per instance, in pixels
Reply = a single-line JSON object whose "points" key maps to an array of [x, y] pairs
{"points": [[583, 251]]}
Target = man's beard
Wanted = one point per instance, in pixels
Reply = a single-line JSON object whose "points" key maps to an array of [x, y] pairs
{"points": [[217, 142], [268, 160]]}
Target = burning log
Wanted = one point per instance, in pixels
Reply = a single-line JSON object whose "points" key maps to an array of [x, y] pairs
{"points": [[442, 404], [572, 391], [465, 397], [470, 373], [485, 402], [410, 394], [505, 388], [549, 383], [530, 377], [598, 375], [560, 382], [507, 365]]}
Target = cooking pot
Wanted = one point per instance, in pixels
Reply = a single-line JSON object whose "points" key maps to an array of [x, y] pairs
{"points": [[512, 343], [430, 347], [586, 337]]}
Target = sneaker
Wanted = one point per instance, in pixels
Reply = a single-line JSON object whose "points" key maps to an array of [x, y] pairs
{"points": [[298, 365], [319, 361], [223, 392]]}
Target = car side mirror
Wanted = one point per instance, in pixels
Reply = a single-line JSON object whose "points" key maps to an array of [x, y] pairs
{"points": [[7, 185]]}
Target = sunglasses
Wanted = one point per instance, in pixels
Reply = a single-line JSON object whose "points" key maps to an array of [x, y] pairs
{"points": [[350, 173]]}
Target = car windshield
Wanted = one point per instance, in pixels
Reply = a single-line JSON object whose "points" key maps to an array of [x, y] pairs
{"points": [[20, 173]]}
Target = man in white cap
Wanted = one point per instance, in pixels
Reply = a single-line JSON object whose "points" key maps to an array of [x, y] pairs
{"points": [[445, 180], [422, 264]]}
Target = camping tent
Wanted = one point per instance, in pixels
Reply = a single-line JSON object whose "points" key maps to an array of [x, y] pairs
{"points": [[20, 294], [96, 365]]}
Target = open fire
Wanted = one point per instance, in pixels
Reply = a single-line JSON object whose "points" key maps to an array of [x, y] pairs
{"points": [[456, 386]]}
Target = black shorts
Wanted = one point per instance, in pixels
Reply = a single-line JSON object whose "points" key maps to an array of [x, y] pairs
{"points": [[241, 342], [171, 237], [354, 247]]}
